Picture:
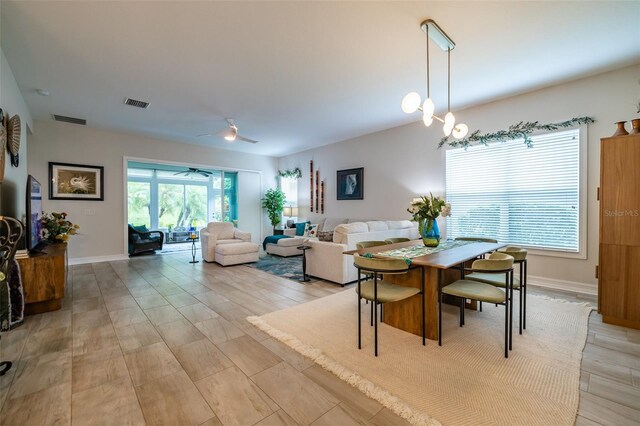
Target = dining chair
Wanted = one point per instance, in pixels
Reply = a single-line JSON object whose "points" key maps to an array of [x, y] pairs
{"points": [[367, 244], [498, 264], [396, 240], [519, 283], [379, 291]]}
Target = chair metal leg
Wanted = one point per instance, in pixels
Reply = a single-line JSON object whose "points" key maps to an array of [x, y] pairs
{"points": [[375, 312], [524, 303], [424, 341], [520, 296], [359, 316], [480, 306], [506, 325], [510, 290], [439, 307], [371, 317]]}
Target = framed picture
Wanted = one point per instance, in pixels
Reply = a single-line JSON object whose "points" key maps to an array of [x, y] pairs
{"points": [[351, 184], [76, 182]]}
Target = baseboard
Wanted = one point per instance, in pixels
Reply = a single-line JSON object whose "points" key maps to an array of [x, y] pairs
{"points": [[564, 285], [97, 259]]}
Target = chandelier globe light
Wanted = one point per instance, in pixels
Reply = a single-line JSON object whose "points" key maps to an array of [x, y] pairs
{"points": [[412, 102]]}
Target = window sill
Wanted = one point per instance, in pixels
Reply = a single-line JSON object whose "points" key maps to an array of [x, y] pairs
{"points": [[582, 254]]}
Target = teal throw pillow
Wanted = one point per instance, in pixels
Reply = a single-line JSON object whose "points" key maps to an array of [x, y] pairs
{"points": [[300, 228], [141, 228]]}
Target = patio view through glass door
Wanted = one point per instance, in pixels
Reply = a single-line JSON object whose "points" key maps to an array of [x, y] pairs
{"points": [[165, 198]]}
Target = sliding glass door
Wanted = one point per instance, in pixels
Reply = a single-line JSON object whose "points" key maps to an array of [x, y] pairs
{"points": [[166, 197]]}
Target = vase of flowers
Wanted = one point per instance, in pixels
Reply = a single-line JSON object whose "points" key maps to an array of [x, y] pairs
{"points": [[425, 211], [56, 228]]}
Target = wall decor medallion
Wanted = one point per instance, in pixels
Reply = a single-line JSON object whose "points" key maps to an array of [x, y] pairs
{"points": [[13, 139], [76, 182], [350, 184]]}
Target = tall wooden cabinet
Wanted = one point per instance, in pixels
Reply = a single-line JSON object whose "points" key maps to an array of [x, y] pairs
{"points": [[619, 262]]}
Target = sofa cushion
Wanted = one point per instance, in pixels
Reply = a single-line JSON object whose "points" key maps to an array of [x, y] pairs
{"points": [[300, 227], [400, 224], [325, 236], [341, 231], [290, 242], [377, 225], [229, 241], [330, 224], [239, 248], [311, 230]]}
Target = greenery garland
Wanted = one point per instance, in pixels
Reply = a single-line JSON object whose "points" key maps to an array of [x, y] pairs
{"points": [[295, 173], [516, 131]]}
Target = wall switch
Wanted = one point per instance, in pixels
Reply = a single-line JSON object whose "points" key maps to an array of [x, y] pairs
{"points": [[90, 212]]}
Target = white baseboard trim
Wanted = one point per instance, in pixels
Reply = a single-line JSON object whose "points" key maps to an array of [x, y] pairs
{"points": [[564, 285], [97, 259]]}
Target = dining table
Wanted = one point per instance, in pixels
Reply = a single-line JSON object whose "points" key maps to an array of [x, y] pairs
{"points": [[441, 266]]}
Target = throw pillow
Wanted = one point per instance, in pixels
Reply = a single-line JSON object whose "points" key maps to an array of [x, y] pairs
{"points": [[300, 228], [311, 230], [141, 228], [326, 236]]}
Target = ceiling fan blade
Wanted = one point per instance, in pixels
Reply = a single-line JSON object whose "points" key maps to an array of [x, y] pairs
{"points": [[204, 135], [242, 138]]}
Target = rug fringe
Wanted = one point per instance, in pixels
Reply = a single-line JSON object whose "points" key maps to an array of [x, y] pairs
{"points": [[373, 391]]}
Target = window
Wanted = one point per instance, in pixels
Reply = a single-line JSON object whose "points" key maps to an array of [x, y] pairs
{"points": [[289, 186], [518, 195], [161, 198]]}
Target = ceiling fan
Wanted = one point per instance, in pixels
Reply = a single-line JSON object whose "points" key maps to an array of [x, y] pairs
{"points": [[191, 170], [230, 134]]}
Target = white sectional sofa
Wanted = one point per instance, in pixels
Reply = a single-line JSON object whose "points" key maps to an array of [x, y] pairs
{"points": [[325, 259]]}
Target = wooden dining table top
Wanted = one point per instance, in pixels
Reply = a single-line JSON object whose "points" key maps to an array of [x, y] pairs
{"points": [[444, 259]]}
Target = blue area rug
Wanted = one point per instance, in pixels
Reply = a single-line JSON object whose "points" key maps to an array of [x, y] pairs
{"points": [[287, 267]]}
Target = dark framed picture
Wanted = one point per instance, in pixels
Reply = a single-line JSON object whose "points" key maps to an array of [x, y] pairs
{"points": [[76, 182], [351, 184]]}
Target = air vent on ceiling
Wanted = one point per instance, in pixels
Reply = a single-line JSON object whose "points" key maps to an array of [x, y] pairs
{"points": [[136, 103], [72, 120]]}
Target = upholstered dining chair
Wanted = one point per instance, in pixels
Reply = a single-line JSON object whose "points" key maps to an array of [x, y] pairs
{"points": [[519, 283], [367, 244], [396, 240], [501, 265], [380, 292]]}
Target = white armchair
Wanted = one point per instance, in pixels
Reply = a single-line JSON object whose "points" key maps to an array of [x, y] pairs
{"points": [[220, 233]]}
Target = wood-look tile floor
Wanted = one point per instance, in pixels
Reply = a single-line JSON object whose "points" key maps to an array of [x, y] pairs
{"points": [[156, 340]]}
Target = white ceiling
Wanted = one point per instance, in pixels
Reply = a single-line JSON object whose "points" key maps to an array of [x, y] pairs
{"points": [[295, 75]]}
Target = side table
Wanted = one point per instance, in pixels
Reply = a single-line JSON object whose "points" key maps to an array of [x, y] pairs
{"points": [[304, 249], [193, 249]]}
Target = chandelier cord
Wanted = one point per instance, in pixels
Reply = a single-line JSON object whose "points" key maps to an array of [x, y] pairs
{"points": [[449, 80], [428, 83]]}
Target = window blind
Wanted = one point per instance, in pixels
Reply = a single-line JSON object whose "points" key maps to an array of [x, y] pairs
{"points": [[517, 195]]}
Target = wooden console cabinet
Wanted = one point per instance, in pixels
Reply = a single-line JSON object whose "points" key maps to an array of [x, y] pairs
{"points": [[619, 263], [43, 279]]}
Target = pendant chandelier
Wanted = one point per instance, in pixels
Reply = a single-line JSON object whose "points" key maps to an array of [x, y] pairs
{"points": [[411, 102]]}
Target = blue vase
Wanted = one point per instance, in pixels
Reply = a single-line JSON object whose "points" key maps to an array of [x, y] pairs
{"points": [[430, 233]]}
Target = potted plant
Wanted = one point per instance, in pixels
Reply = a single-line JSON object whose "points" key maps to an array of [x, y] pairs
{"points": [[273, 202], [425, 211], [56, 228]]}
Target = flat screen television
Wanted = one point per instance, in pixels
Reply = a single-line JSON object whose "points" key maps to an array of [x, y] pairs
{"points": [[34, 215]]}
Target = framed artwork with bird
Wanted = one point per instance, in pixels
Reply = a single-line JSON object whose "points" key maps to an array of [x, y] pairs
{"points": [[76, 182]]}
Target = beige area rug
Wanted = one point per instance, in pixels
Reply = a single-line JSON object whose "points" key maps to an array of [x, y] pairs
{"points": [[465, 381]]}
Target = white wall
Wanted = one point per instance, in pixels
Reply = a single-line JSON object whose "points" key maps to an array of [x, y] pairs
{"points": [[103, 234], [14, 186], [403, 162]]}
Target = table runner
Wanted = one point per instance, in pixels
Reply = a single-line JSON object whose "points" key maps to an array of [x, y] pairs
{"points": [[408, 253]]}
